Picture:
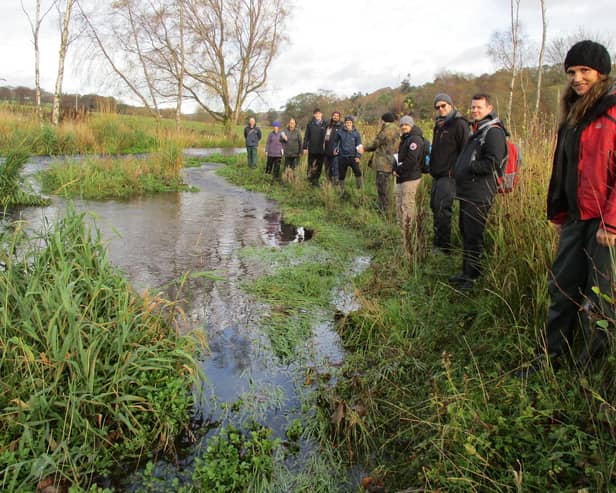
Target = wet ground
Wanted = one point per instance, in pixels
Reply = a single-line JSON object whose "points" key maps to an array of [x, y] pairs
{"points": [[156, 239]]}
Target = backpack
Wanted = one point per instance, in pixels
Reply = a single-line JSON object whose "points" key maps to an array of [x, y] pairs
{"points": [[507, 171], [425, 155]]}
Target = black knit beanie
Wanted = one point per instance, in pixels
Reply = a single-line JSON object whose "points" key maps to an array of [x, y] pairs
{"points": [[589, 54], [388, 117]]}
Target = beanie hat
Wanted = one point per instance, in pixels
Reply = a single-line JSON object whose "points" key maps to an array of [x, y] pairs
{"points": [[388, 117], [349, 118], [589, 54], [441, 96], [408, 120], [276, 124]]}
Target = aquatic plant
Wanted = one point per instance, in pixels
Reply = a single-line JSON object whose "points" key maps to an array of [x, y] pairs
{"points": [[13, 190], [106, 178], [91, 372]]}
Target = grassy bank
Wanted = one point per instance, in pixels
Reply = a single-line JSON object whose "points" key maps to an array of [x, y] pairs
{"points": [[104, 133], [92, 374], [427, 398]]}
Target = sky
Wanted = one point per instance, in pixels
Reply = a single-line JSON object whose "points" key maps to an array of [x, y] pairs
{"points": [[344, 46]]}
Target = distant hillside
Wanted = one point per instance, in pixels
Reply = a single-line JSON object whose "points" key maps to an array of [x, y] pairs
{"points": [[418, 100]]}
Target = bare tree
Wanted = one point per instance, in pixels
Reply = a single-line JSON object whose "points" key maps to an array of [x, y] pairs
{"points": [[64, 43], [232, 46], [165, 35], [117, 36], [35, 26], [544, 29], [505, 51], [515, 45], [557, 49]]}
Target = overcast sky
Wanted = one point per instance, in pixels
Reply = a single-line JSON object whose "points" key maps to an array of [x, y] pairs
{"points": [[346, 45]]}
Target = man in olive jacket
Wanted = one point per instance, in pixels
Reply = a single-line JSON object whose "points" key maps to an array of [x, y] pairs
{"points": [[384, 145]]}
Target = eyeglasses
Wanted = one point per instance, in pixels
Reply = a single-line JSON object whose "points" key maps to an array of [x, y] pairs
{"points": [[440, 106]]}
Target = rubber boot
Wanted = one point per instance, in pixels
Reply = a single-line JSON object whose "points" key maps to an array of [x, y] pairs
{"points": [[359, 181]]}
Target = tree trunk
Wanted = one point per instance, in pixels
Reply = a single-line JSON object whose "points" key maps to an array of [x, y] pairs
{"points": [[180, 86], [57, 95], [515, 25], [541, 56]]}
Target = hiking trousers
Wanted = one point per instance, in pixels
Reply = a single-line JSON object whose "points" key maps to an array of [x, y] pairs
{"points": [[473, 217], [581, 264], [251, 153], [441, 203]]}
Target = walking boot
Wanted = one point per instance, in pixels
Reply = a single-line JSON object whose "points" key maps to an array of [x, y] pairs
{"points": [[359, 181]]}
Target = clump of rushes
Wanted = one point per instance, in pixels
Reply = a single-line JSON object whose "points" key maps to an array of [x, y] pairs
{"points": [[91, 373], [107, 178], [12, 186]]}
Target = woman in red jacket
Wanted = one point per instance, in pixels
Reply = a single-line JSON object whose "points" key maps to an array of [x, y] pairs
{"points": [[582, 205]]}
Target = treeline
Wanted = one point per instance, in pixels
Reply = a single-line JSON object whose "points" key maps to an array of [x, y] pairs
{"points": [[417, 100], [76, 106]]}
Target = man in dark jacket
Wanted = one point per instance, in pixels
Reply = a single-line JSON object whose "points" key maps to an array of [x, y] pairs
{"points": [[313, 146], [475, 173], [450, 134], [348, 148], [331, 160], [252, 136]]}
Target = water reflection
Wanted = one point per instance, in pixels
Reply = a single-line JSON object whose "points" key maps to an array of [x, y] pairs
{"points": [[156, 239]]}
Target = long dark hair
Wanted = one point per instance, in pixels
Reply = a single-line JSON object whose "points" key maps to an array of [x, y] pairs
{"points": [[574, 107]]}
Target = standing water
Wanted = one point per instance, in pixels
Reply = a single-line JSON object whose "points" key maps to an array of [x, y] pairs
{"points": [[156, 239]]}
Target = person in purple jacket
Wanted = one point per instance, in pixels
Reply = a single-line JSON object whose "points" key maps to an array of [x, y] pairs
{"points": [[273, 151]]}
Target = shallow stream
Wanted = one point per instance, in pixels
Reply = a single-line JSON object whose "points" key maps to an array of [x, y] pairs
{"points": [[156, 239]]}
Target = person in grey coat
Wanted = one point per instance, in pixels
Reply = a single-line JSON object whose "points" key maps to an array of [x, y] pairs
{"points": [[252, 136]]}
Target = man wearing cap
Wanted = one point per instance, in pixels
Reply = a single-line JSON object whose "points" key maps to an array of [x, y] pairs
{"points": [[384, 145], [252, 136], [274, 151], [451, 132], [475, 173], [348, 148], [313, 146], [330, 159], [408, 173]]}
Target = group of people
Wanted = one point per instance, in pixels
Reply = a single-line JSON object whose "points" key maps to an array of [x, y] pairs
{"points": [[464, 158]]}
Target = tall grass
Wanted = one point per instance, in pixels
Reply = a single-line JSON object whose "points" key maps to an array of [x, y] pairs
{"points": [[104, 133], [427, 398], [91, 372], [13, 189]]}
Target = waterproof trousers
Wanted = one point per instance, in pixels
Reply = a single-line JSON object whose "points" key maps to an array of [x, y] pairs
{"points": [[581, 267], [473, 217], [441, 203], [383, 178], [251, 153], [315, 166]]}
